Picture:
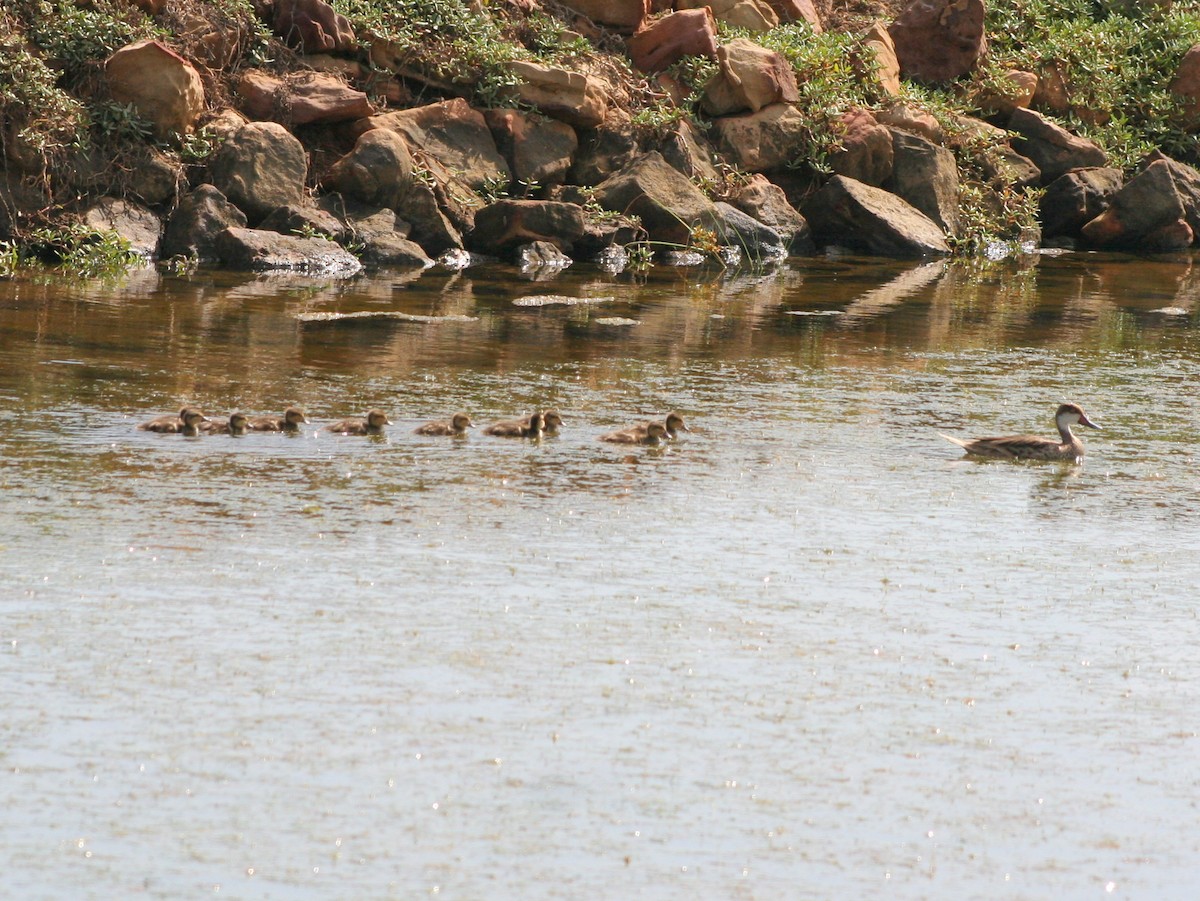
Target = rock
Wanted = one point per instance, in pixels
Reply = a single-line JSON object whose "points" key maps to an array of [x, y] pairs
{"points": [[753, 15], [301, 98], [299, 219], [866, 149], [878, 41], [260, 167], [797, 11], [431, 228], [1074, 199], [383, 238], [155, 177], [926, 175], [216, 44], [18, 200], [541, 254], [768, 204], [132, 221], [312, 26], [538, 150], [604, 151], [1187, 184], [741, 230], [1053, 149], [571, 97], [1186, 85], [762, 141], [1004, 166], [1017, 89], [377, 171], [1052, 94], [162, 86], [912, 119], [621, 15], [194, 225], [869, 219], [1139, 213], [751, 77], [939, 40], [259, 251], [688, 152], [505, 224], [662, 43], [223, 123], [452, 133], [667, 203]]}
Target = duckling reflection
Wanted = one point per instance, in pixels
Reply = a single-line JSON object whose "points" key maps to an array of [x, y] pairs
{"points": [[1034, 447], [372, 425], [455, 427], [526, 427], [292, 419], [648, 433]]}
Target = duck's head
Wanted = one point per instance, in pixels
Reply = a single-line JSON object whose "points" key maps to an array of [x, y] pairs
{"points": [[193, 418], [238, 421], [675, 423], [461, 422], [537, 422], [657, 430], [1070, 414], [377, 419], [551, 419], [294, 416]]}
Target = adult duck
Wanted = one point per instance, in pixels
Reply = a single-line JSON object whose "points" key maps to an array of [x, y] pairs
{"points": [[1034, 447]]}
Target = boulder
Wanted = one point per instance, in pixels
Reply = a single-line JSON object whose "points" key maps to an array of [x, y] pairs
{"points": [[301, 99], [926, 175], [1052, 94], [1146, 210], [754, 239], [506, 224], [223, 123], [797, 11], [664, 199], [939, 40], [215, 43], [194, 225], [260, 167], [1005, 167], [1187, 184], [538, 150], [1074, 199], [1053, 149], [752, 15], [155, 177], [878, 42], [912, 119], [571, 97], [162, 86], [453, 134], [662, 43], [1186, 86], [431, 227], [768, 204], [761, 141], [540, 255], [312, 26], [869, 219], [377, 171], [132, 221], [750, 78], [688, 152], [383, 239], [866, 149], [298, 219], [621, 15], [1016, 89], [604, 151], [260, 251]]}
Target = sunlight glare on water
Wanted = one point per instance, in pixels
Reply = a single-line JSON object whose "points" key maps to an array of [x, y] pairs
{"points": [[807, 650]]}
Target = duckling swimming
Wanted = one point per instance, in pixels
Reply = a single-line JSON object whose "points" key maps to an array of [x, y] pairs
{"points": [[552, 421], [1034, 447], [526, 427], [372, 425], [675, 424], [169, 424], [192, 422], [292, 419], [648, 433], [237, 424], [456, 426]]}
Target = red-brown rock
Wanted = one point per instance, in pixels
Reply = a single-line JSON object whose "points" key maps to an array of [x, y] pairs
{"points": [[691, 32], [538, 150], [753, 15], [797, 11], [1186, 84], [301, 98], [878, 40], [503, 225], [751, 77], [1145, 213], [621, 15], [1053, 149], [939, 40], [572, 97], [313, 26], [162, 86], [866, 151], [765, 140]]}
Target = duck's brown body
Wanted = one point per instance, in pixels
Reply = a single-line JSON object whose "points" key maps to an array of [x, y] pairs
{"points": [[530, 426], [1034, 447], [455, 427], [372, 425], [648, 433], [237, 424], [292, 419], [171, 423]]}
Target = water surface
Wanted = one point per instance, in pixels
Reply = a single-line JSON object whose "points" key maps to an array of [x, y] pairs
{"points": [[807, 651]]}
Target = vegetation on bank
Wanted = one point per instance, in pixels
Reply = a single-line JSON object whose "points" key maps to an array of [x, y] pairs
{"points": [[1114, 60]]}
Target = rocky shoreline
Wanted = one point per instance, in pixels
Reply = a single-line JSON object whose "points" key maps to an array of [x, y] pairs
{"points": [[348, 158]]}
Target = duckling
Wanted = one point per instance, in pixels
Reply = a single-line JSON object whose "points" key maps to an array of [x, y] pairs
{"points": [[456, 426], [192, 422], [1033, 447], [648, 433], [526, 427], [552, 421], [236, 425], [372, 425], [675, 424], [292, 419], [170, 423]]}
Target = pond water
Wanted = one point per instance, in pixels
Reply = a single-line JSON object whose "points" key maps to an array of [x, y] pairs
{"points": [[806, 651]]}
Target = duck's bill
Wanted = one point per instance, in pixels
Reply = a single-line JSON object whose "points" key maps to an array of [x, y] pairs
{"points": [[1083, 420]]}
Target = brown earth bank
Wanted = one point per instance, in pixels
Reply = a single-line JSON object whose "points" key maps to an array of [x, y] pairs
{"points": [[661, 128]]}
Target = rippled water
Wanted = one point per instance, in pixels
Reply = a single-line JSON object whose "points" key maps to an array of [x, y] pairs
{"points": [[808, 651]]}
